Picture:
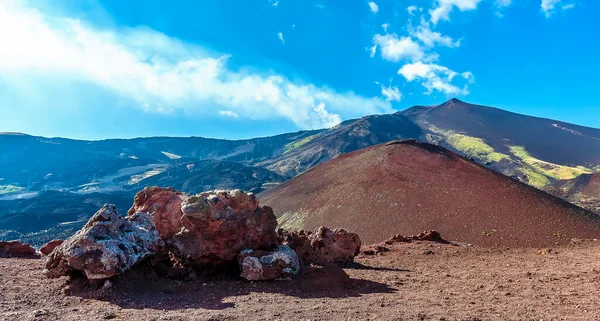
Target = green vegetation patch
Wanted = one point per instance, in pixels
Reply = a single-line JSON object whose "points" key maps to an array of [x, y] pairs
{"points": [[5, 189], [535, 179], [548, 169], [475, 147], [293, 145]]}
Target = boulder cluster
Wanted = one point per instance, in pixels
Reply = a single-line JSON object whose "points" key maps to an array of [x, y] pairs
{"points": [[212, 229]]}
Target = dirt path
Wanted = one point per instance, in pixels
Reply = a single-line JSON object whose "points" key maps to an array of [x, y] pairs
{"points": [[418, 281]]}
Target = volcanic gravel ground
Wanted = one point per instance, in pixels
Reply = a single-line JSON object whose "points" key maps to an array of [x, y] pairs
{"points": [[414, 281]]}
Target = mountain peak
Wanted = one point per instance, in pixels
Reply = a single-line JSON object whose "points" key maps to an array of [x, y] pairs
{"points": [[454, 101]]}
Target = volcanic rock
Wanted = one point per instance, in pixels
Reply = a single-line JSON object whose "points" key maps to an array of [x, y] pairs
{"points": [[279, 264], [323, 246], [16, 249], [209, 228], [48, 247], [164, 205], [218, 225], [431, 236], [107, 245]]}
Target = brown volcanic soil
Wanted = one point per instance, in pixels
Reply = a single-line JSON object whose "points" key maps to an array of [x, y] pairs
{"points": [[401, 187], [415, 281]]}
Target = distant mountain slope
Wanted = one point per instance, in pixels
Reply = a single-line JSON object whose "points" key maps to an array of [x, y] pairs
{"points": [[57, 163], [583, 191], [401, 187], [346, 137], [44, 216], [535, 150], [204, 175]]}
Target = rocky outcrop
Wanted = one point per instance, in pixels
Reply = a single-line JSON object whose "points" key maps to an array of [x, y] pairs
{"points": [[431, 236], [279, 264], [209, 228], [48, 247], [16, 249], [164, 205], [323, 246], [107, 245]]}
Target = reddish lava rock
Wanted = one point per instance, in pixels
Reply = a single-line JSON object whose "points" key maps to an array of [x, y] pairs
{"points": [[432, 236], [323, 246], [210, 228], [16, 249], [164, 205], [406, 186], [48, 247]]}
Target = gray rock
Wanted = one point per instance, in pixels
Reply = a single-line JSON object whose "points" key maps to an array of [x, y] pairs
{"points": [[280, 264], [107, 245], [323, 246]]}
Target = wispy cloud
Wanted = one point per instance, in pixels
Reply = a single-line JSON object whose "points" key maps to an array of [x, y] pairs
{"points": [[549, 7], [435, 77], [442, 8], [229, 113], [432, 38], [394, 48], [391, 93], [153, 72], [374, 7], [385, 27], [280, 36], [275, 4], [411, 10]]}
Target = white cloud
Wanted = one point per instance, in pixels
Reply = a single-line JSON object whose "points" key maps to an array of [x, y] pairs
{"points": [[411, 10], [468, 76], [275, 4], [229, 113], [394, 49], [503, 3], [549, 7], [374, 7], [385, 27], [391, 93], [150, 71], [444, 7], [280, 36], [432, 38], [435, 77], [372, 51]]}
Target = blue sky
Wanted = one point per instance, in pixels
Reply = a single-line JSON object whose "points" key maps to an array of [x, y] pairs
{"points": [[96, 69]]}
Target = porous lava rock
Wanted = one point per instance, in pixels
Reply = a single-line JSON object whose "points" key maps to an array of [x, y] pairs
{"points": [[323, 246], [280, 264], [16, 249], [210, 228], [163, 205], [431, 236], [48, 247], [107, 245]]}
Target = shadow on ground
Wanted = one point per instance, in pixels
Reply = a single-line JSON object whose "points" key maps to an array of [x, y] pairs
{"points": [[141, 288]]}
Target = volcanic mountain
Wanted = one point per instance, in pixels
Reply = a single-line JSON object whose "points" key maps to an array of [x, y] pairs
{"points": [[406, 186], [535, 150], [583, 191]]}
